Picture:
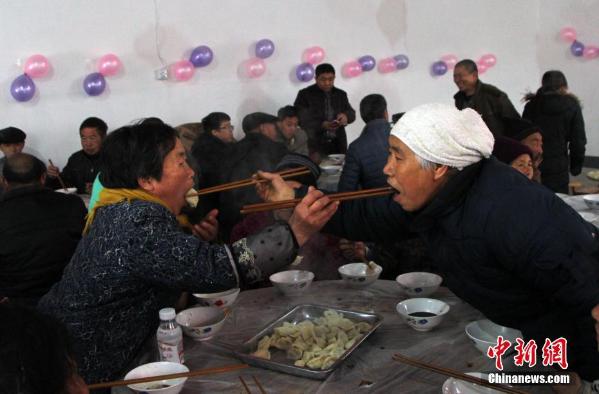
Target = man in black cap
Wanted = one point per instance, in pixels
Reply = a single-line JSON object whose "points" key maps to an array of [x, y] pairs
{"points": [[529, 134], [39, 231], [259, 150], [12, 141]]}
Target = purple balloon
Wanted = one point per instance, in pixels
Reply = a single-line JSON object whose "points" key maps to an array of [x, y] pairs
{"points": [[439, 68], [264, 48], [401, 61], [577, 48], [201, 56], [22, 88], [304, 72], [367, 62], [94, 84]]}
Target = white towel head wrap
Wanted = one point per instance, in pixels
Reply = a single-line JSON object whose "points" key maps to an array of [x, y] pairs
{"points": [[442, 134]]}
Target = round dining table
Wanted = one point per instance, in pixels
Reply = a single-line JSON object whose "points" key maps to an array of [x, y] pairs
{"points": [[369, 369]]}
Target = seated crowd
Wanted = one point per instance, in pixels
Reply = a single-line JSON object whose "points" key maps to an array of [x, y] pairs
{"points": [[144, 243]]}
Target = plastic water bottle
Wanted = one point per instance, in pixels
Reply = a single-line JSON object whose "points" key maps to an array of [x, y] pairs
{"points": [[169, 337]]}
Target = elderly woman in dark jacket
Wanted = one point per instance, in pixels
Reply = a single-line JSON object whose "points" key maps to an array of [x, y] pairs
{"points": [[557, 112], [134, 258]]}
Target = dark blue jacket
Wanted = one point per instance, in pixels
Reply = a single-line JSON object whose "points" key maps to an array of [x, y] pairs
{"points": [[506, 245], [366, 157]]}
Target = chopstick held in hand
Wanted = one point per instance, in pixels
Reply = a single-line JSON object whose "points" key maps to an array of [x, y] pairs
{"points": [[58, 176]]}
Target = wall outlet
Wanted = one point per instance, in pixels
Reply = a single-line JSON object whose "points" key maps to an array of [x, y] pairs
{"points": [[161, 74]]}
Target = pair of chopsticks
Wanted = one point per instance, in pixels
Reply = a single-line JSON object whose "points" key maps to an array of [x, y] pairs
{"points": [[58, 176], [455, 374], [344, 196], [292, 172], [198, 372], [247, 389]]}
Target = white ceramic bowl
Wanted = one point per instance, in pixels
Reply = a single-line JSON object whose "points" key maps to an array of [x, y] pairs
{"points": [[172, 386], [222, 299], [337, 158], [456, 386], [68, 190], [484, 333], [331, 169], [422, 314], [359, 274], [592, 200], [292, 282], [419, 284], [202, 322]]}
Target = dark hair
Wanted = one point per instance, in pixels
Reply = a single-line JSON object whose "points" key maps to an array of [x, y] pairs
{"points": [[553, 81], [134, 152], [23, 169], [324, 68], [288, 111], [468, 64], [213, 120], [95, 123], [35, 352], [373, 107]]}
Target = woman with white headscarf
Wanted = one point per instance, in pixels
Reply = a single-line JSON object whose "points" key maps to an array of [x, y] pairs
{"points": [[506, 245]]}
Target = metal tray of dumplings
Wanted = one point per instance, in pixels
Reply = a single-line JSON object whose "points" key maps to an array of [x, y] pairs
{"points": [[279, 362]]}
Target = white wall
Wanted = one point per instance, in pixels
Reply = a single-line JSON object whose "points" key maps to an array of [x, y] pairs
{"points": [[74, 33]]}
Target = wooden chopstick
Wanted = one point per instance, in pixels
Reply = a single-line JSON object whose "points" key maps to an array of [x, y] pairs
{"points": [[247, 389], [58, 176], [455, 374], [344, 196], [262, 391], [290, 173], [197, 372]]}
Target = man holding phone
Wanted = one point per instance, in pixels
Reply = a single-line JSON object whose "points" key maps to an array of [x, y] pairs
{"points": [[324, 111]]}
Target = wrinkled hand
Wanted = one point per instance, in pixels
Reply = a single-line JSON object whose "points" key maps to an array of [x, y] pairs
{"points": [[274, 190], [342, 119], [53, 171], [595, 314], [311, 214], [353, 250], [207, 229]]}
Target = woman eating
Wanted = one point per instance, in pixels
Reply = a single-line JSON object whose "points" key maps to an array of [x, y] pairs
{"points": [[135, 259]]}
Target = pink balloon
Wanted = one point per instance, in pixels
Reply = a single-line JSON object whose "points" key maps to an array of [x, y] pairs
{"points": [[482, 67], [109, 65], [36, 66], [450, 60], [488, 60], [183, 70], [313, 55], [567, 34], [351, 69], [387, 65], [590, 52], [255, 67]]}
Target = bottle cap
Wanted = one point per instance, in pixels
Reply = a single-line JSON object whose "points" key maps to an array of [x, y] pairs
{"points": [[167, 314]]}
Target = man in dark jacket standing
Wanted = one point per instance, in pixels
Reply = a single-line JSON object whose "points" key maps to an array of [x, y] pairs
{"points": [[367, 155], [324, 111], [83, 166], [507, 246], [491, 103], [39, 229]]}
